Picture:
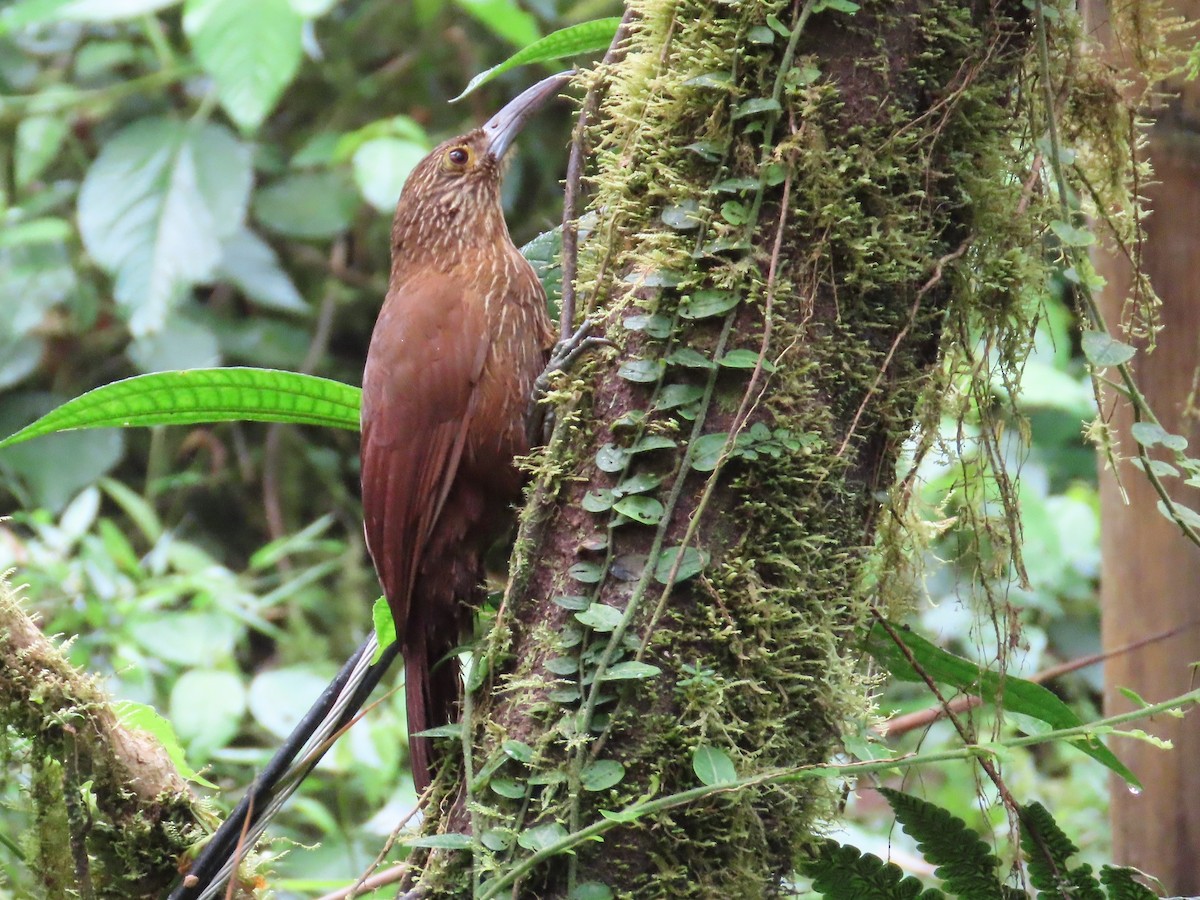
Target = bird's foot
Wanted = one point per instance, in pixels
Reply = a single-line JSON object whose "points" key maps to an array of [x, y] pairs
{"points": [[567, 352], [562, 358]]}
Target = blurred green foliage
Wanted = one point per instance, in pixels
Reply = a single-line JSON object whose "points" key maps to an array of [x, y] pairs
{"points": [[210, 182], [202, 183]]}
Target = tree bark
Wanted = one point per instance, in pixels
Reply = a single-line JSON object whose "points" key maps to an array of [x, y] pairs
{"points": [[1150, 572], [111, 813], [786, 205]]}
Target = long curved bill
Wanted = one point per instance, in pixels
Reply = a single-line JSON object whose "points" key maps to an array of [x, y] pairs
{"points": [[503, 128]]}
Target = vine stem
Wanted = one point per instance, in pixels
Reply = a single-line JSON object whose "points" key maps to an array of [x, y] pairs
{"points": [[985, 763], [574, 180], [1142, 410], [827, 770]]}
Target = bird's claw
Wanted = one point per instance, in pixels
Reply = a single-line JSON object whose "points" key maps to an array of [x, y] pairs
{"points": [[562, 358], [567, 351]]}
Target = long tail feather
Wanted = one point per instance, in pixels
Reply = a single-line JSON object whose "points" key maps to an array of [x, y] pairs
{"points": [[290, 765], [431, 695]]}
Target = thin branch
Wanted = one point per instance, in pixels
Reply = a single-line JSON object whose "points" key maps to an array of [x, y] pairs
{"points": [[902, 725], [570, 227]]}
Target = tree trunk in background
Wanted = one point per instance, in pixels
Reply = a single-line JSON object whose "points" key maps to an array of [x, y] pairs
{"points": [[703, 607], [1150, 580]]}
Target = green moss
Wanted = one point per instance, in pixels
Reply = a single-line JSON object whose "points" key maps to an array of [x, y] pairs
{"points": [[897, 262]]}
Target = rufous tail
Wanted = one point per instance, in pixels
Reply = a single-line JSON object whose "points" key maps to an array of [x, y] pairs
{"points": [[431, 694]]}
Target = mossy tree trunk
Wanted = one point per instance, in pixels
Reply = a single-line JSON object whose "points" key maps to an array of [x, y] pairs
{"points": [[796, 209]]}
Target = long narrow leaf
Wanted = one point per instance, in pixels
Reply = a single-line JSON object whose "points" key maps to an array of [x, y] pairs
{"points": [[1014, 694], [204, 395], [586, 37]]}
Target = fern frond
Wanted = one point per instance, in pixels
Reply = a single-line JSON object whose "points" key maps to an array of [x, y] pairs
{"points": [[1120, 883], [1047, 849], [842, 872], [964, 863]]}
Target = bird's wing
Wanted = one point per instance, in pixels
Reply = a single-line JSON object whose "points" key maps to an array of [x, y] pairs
{"points": [[419, 397]]}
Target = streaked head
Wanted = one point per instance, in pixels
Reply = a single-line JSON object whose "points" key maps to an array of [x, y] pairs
{"points": [[460, 180]]}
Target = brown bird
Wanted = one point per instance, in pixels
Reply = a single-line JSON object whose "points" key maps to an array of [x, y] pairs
{"points": [[461, 339]]}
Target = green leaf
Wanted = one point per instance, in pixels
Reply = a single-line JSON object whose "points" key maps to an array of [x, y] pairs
{"points": [[601, 775], [707, 150], [682, 216], [637, 484], [384, 625], [719, 80], [657, 326], [1184, 514], [591, 890], [609, 458], [707, 449], [735, 185], [307, 205], [441, 842], [38, 141], [181, 343], [207, 706], [507, 787], [745, 359], [575, 602], [453, 731], [1122, 884], [631, 671], [653, 442], [600, 617], [645, 510], [644, 371], [141, 717], [1102, 349], [846, 873], [713, 766], [1016, 694], [843, 6], [586, 37], [1148, 434], [204, 395], [505, 19], [692, 564], [518, 750], [156, 206], [497, 840], [36, 12], [1072, 236], [965, 865], [251, 50], [279, 698], [562, 665], [756, 106], [598, 501], [689, 359], [674, 395], [586, 572], [541, 837], [249, 263], [760, 34], [707, 303]]}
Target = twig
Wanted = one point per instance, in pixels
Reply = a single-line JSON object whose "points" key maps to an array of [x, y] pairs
{"points": [[902, 725], [570, 227], [988, 766]]}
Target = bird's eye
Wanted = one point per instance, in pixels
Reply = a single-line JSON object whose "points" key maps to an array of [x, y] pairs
{"points": [[458, 157]]}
